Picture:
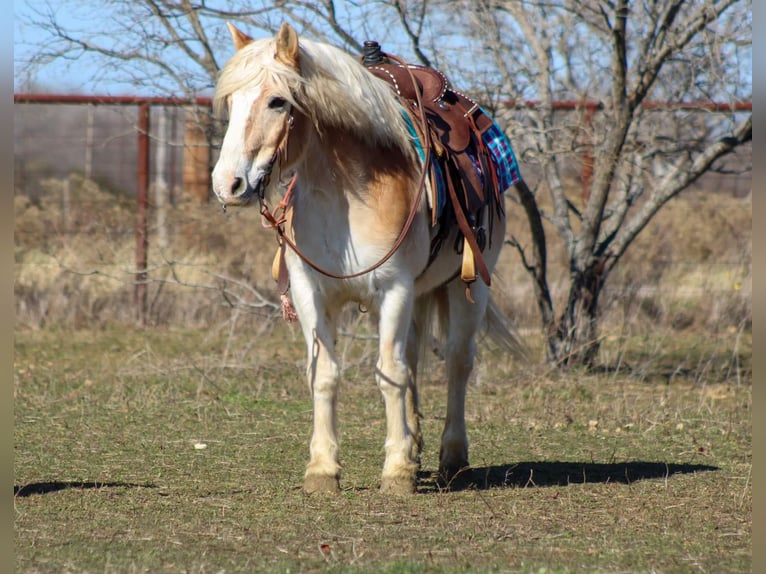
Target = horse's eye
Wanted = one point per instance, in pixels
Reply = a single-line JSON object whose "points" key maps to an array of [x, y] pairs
{"points": [[276, 102]]}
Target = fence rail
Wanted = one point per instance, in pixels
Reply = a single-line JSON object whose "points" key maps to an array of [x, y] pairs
{"points": [[191, 133]]}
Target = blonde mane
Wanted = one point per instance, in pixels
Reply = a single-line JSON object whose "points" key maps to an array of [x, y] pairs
{"points": [[333, 89]]}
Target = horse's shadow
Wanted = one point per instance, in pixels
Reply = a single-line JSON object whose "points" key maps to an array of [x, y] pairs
{"points": [[518, 475], [554, 473], [55, 486]]}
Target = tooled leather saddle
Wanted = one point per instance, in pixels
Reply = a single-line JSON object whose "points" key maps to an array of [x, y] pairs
{"points": [[454, 128]]}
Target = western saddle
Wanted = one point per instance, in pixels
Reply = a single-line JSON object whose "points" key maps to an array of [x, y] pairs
{"points": [[453, 130]]}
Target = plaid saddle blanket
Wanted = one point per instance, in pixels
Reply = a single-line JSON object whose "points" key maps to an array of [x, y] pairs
{"points": [[503, 162]]}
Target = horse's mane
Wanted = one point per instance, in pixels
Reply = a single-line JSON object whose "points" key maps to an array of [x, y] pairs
{"points": [[333, 89]]}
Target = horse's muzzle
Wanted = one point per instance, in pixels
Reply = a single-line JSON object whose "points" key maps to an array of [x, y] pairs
{"points": [[242, 191]]}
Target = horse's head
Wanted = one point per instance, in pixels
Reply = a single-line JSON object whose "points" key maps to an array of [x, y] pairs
{"points": [[256, 88]]}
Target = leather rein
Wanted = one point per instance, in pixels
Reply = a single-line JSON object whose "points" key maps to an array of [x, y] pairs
{"points": [[277, 222]]}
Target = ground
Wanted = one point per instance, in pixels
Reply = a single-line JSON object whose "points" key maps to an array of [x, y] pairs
{"points": [[183, 451]]}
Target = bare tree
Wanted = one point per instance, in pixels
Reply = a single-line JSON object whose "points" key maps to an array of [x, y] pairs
{"points": [[624, 56], [165, 46], [620, 56]]}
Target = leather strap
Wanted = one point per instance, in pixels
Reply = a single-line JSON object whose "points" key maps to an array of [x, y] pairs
{"points": [[468, 233], [278, 224]]}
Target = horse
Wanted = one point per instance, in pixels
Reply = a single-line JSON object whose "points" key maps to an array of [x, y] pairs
{"points": [[356, 229]]}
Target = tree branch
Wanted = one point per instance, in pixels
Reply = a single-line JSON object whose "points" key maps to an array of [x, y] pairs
{"points": [[606, 162], [679, 178], [413, 35]]}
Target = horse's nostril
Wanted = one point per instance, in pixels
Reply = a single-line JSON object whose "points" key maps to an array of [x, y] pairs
{"points": [[235, 184]]}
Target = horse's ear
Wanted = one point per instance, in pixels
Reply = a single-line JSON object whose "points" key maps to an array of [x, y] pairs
{"points": [[287, 46], [239, 38]]}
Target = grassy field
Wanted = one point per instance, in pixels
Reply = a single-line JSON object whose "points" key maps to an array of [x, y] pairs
{"points": [[183, 451], [181, 448]]}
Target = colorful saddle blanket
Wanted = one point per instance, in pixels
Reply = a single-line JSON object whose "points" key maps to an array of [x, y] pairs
{"points": [[502, 157]]}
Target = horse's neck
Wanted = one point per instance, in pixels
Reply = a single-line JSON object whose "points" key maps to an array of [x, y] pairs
{"points": [[345, 164], [341, 178]]}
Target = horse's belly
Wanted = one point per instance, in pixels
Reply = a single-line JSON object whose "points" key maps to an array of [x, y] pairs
{"points": [[444, 267]]}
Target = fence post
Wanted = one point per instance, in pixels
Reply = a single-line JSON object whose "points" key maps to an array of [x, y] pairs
{"points": [[89, 141], [160, 180], [142, 205]]}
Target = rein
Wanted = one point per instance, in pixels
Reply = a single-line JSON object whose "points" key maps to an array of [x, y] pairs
{"points": [[277, 223]]}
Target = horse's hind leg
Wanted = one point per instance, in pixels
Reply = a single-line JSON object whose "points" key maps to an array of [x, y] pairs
{"points": [[396, 383], [464, 321]]}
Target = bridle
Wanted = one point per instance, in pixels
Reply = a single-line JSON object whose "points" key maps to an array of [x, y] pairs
{"points": [[276, 159], [278, 222]]}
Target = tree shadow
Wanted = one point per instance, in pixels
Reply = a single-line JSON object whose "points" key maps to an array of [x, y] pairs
{"points": [[55, 486], [554, 473]]}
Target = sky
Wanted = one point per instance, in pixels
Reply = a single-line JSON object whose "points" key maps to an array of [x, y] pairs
{"points": [[88, 75], [56, 76], [77, 76], [85, 75]]}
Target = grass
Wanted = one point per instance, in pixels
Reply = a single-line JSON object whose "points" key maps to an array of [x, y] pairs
{"points": [[182, 451]]}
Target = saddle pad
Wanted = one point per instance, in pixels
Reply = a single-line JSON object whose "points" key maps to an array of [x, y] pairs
{"points": [[437, 196], [503, 158]]}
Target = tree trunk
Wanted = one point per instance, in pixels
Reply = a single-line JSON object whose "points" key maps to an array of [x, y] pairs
{"points": [[574, 340], [196, 170]]}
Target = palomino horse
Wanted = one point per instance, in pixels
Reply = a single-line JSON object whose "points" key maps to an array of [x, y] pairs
{"points": [[358, 231]]}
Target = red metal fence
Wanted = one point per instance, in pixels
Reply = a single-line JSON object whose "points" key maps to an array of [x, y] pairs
{"points": [[195, 144], [189, 137]]}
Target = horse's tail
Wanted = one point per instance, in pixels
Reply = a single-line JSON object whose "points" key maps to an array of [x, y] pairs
{"points": [[432, 316], [501, 331]]}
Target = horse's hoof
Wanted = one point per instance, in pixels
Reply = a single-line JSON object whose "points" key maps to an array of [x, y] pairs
{"points": [[398, 485], [321, 484]]}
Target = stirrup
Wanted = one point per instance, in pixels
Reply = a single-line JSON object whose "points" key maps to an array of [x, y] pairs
{"points": [[468, 269]]}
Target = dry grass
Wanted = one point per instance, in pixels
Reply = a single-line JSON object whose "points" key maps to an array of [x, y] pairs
{"points": [[690, 270], [573, 472]]}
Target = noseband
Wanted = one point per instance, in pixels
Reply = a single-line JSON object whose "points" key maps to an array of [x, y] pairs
{"points": [[279, 154]]}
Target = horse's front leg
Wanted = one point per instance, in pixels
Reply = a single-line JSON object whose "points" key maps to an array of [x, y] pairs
{"points": [[323, 374], [395, 379]]}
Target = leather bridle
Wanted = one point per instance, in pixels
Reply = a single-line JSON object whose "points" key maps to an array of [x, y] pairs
{"points": [[278, 222]]}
